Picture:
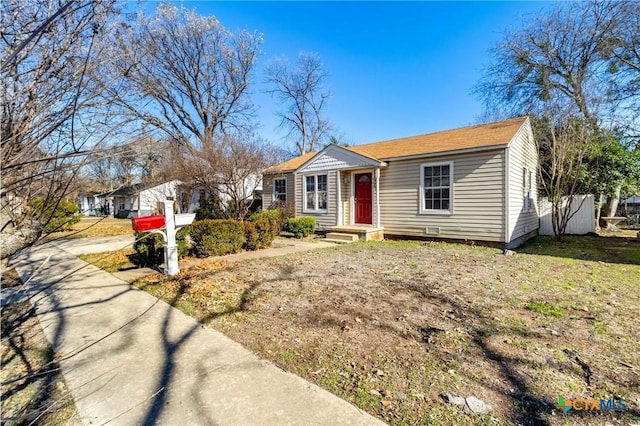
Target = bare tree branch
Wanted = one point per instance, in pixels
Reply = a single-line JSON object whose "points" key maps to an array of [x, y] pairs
{"points": [[302, 94]]}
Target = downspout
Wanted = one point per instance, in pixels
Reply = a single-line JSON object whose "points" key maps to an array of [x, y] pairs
{"points": [[377, 198], [506, 189], [339, 219]]}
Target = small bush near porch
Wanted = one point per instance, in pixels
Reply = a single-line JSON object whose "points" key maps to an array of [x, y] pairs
{"points": [[392, 326], [301, 227]]}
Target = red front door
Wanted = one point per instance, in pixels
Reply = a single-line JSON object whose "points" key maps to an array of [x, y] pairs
{"points": [[363, 204]]}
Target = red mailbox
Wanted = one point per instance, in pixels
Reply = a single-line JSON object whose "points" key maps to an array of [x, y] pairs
{"points": [[146, 223]]}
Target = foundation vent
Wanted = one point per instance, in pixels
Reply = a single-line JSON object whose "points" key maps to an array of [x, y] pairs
{"points": [[432, 230]]}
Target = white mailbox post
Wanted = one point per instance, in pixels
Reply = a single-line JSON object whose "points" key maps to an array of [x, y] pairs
{"points": [[173, 223]]}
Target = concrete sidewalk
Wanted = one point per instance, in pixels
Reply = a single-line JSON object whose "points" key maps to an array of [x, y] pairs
{"points": [[130, 358]]}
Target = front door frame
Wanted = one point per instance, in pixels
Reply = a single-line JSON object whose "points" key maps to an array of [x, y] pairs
{"points": [[353, 196]]}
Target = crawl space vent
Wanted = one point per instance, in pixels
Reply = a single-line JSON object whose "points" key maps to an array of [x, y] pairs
{"points": [[433, 230]]}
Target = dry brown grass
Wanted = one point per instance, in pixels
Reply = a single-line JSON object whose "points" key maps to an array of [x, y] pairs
{"points": [[95, 227], [392, 326], [32, 388]]}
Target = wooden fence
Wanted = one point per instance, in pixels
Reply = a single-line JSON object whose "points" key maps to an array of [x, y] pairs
{"points": [[583, 222]]}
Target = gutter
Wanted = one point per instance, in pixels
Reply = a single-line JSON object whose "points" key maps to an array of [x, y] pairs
{"points": [[445, 153]]}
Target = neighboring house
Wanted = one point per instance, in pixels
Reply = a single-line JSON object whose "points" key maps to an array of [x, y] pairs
{"points": [[141, 199], [250, 189], [473, 183], [90, 203], [630, 208]]}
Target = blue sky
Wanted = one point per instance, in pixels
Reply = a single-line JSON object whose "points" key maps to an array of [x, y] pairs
{"points": [[395, 68]]}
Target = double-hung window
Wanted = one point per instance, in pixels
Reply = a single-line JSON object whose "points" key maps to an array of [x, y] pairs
{"points": [[436, 188], [280, 190], [315, 193]]}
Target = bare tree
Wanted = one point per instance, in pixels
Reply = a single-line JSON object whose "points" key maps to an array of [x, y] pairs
{"points": [[303, 96], [623, 52], [558, 56], [47, 129], [560, 67], [181, 74], [231, 170], [124, 164], [563, 142], [186, 78]]}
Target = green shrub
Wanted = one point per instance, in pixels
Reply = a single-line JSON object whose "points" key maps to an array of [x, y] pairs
{"points": [[267, 231], [272, 215], [279, 215], [54, 215], [209, 208], [183, 239], [260, 233], [300, 227], [251, 236], [149, 246], [217, 237]]}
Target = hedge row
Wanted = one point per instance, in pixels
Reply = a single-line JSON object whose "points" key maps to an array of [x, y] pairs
{"points": [[300, 227], [210, 237]]}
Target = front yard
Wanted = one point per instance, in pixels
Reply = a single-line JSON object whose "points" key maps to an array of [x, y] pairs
{"points": [[95, 227], [393, 326]]}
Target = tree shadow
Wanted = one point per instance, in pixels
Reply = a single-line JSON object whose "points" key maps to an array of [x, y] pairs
{"points": [[608, 249], [172, 346], [531, 404], [28, 371]]}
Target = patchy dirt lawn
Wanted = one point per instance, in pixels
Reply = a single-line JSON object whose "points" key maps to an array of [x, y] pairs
{"points": [[33, 391], [392, 326]]}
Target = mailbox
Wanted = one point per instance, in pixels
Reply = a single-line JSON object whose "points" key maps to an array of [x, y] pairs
{"points": [[184, 219], [146, 223]]}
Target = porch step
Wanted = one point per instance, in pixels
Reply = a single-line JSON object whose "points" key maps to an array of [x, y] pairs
{"points": [[364, 233], [337, 237]]}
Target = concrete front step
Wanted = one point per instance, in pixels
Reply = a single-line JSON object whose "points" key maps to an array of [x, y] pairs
{"points": [[364, 233], [337, 237]]}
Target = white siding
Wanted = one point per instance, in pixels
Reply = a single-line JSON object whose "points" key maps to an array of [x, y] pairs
{"points": [[149, 198], [334, 157], [582, 223], [345, 193], [85, 204], [323, 220], [479, 196], [522, 153]]}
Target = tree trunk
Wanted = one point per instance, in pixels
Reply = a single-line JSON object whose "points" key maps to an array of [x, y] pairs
{"points": [[615, 200], [556, 220], [599, 203]]}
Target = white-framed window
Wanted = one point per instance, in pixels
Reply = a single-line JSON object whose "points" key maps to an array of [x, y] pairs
{"points": [[315, 193], [436, 188], [527, 178], [280, 190]]}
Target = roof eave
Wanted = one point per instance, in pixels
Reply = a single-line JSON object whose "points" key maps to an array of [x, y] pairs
{"points": [[451, 152], [526, 122]]}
